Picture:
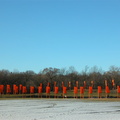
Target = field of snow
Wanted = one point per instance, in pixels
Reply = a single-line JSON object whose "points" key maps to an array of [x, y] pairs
{"points": [[58, 109]]}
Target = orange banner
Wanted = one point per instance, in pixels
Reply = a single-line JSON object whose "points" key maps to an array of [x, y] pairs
{"points": [[24, 89], [64, 90], [99, 89], [90, 90], [75, 90], [1, 89], [81, 90], [56, 90], [8, 89], [32, 89], [47, 90], [39, 89], [15, 89], [107, 90], [20, 87], [118, 89]]}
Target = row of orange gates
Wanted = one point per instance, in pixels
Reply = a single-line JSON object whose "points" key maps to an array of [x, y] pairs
{"points": [[8, 89]]}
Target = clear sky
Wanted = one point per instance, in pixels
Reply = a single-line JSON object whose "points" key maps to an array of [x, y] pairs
{"points": [[35, 34]]}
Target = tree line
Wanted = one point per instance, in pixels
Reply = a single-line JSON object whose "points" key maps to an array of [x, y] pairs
{"points": [[51, 75]]}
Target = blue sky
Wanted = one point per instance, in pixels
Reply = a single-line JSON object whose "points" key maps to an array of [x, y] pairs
{"points": [[35, 34]]}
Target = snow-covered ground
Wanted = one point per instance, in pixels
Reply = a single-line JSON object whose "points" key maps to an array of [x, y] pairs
{"points": [[58, 109]]}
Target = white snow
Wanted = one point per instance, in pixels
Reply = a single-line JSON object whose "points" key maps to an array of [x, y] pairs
{"points": [[58, 109]]}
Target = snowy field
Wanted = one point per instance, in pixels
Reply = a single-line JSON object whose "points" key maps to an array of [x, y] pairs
{"points": [[58, 109]]}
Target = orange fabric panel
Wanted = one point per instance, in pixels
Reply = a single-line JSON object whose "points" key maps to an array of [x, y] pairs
{"points": [[47, 89], [16, 89], [56, 90], [107, 90], [90, 89], [99, 89], [20, 87], [64, 90], [75, 90], [8, 89], [81, 90], [24, 89], [118, 89], [39, 89], [1, 89], [32, 89]]}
